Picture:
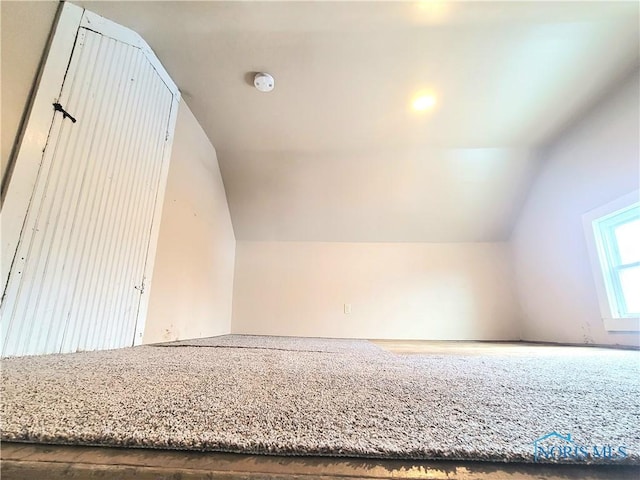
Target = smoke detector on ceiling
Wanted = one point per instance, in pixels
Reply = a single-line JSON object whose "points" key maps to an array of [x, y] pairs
{"points": [[264, 82]]}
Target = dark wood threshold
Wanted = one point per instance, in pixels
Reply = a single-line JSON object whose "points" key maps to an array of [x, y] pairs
{"points": [[53, 462]]}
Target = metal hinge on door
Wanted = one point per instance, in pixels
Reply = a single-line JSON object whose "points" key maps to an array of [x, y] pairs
{"points": [[141, 287]]}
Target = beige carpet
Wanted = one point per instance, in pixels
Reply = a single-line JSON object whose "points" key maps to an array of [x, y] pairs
{"points": [[294, 344], [360, 402]]}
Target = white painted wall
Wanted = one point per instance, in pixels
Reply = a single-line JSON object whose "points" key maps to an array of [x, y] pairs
{"points": [[596, 161], [397, 290], [193, 276], [25, 28]]}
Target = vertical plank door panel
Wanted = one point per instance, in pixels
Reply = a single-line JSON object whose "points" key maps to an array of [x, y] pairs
{"points": [[79, 271]]}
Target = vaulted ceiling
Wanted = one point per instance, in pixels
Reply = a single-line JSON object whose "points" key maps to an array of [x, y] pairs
{"points": [[336, 153]]}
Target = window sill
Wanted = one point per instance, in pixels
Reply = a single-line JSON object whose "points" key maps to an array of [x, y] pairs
{"points": [[622, 324]]}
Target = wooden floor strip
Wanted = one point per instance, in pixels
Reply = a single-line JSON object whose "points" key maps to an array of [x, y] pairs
{"points": [[29, 462]]}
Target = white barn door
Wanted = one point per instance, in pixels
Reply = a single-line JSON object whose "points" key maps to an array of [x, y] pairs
{"points": [[79, 275]]}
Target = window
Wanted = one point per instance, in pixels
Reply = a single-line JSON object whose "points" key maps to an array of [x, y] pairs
{"points": [[613, 238], [618, 241]]}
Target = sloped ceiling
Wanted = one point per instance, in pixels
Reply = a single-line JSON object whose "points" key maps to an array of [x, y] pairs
{"points": [[335, 152]]}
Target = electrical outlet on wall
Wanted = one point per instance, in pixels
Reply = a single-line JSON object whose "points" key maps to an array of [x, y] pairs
{"points": [[347, 308]]}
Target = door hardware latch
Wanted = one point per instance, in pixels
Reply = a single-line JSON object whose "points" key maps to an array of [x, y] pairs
{"points": [[141, 287], [58, 108]]}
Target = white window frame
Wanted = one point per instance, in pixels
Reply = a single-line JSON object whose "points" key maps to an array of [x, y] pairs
{"points": [[613, 320]]}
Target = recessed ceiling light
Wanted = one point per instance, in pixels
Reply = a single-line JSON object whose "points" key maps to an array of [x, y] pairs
{"points": [[423, 102]]}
